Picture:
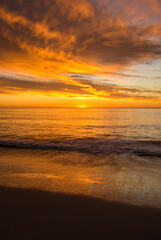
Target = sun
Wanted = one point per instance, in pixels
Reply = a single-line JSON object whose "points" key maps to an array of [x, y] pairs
{"points": [[82, 106]]}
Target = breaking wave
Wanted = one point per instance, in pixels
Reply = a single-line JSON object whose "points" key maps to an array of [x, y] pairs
{"points": [[92, 145]]}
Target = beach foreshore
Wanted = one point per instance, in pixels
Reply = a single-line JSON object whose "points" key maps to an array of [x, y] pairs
{"points": [[34, 214]]}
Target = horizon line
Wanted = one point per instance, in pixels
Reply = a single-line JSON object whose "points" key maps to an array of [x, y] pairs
{"points": [[93, 107]]}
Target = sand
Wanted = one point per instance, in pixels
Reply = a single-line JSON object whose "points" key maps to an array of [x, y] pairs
{"points": [[33, 214]]}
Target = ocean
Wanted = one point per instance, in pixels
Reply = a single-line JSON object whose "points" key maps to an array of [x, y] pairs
{"points": [[114, 154]]}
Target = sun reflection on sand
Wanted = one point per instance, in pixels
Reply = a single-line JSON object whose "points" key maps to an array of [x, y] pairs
{"points": [[121, 179]]}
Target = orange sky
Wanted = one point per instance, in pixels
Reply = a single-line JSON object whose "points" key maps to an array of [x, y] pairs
{"points": [[73, 53]]}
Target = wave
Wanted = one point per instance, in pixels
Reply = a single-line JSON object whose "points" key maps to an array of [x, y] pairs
{"points": [[92, 145]]}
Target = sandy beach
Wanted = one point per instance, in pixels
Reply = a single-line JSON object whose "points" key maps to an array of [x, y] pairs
{"points": [[33, 214]]}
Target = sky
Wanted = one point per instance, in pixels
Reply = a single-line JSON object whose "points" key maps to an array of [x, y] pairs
{"points": [[80, 53]]}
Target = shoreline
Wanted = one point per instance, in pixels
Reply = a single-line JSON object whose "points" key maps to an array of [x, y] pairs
{"points": [[34, 214]]}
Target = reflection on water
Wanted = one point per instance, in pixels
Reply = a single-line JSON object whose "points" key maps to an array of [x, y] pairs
{"points": [[45, 124], [120, 179]]}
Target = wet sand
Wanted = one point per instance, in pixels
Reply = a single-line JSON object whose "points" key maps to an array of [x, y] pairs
{"points": [[33, 214]]}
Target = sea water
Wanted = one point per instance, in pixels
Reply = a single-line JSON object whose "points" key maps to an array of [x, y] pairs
{"points": [[113, 154]]}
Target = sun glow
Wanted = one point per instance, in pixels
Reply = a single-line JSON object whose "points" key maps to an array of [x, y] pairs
{"points": [[82, 106]]}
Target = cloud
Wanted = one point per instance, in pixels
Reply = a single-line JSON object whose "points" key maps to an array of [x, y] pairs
{"points": [[80, 30], [81, 86], [53, 39]]}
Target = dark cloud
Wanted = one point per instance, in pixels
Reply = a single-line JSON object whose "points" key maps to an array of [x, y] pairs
{"points": [[82, 28], [12, 85], [119, 50]]}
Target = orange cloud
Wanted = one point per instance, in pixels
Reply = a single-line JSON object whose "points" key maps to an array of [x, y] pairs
{"points": [[56, 39], [81, 86]]}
